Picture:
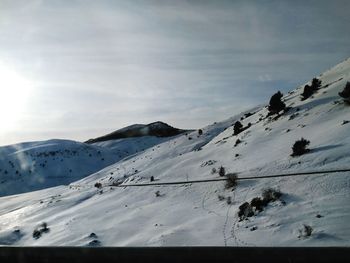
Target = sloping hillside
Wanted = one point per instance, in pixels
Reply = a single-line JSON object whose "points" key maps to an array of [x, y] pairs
{"points": [[313, 210], [37, 165]]}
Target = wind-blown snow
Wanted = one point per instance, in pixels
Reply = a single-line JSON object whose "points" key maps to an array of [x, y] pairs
{"points": [[192, 214]]}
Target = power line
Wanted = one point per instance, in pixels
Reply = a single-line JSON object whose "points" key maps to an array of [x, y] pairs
{"points": [[238, 179]]}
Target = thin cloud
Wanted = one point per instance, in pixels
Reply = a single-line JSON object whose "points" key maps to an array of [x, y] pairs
{"points": [[101, 65]]}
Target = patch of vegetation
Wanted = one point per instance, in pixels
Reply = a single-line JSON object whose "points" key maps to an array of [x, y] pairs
{"points": [[276, 104], [42, 228], [310, 90], [231, 181], [305, 232], [208, 163], [98, 185], [345, 94], [257, 204], [299, 147], [238, 141], [221, 197], [237, 128], [222, 171]]}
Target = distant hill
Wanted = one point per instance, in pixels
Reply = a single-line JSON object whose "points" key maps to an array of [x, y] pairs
{"points": [[157, 129]]}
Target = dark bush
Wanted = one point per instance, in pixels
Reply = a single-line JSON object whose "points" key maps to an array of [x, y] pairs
{"points": [[299, 147], [306, 231], [316, 83], [310, 90], [200, 132], [222, 171], [238, 141], [39, 230], [152, 178], [271, 195], [93, 235], [258, 203], [231, 181], [36, 234], [346, 92], [213, 171], [98, 185], [245, 210], [276, 104], [221, 197], [237, 128]]}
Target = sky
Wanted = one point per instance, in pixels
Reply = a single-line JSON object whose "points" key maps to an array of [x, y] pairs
{"points": [[80, 69]]}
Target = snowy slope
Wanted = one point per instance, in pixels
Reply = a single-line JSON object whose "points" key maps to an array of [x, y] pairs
{"points": [[37, 165], [192, 214]]}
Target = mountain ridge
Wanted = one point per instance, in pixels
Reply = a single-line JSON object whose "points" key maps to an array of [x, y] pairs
{"points": [[157, 129]]}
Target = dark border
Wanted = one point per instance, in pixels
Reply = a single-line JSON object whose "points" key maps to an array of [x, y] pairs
{"points": [[174, 254]]}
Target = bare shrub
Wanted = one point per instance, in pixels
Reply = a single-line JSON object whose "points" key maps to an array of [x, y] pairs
{"points": [[271, 195], [258, 204], [42, 228], [98, 185], [299, 147], [245, 210], [305, 232], [221, 197], [231, 181]]}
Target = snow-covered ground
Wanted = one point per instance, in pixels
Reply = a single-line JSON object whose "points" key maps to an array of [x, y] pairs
{"points": [[80, 214], [33, 166]]}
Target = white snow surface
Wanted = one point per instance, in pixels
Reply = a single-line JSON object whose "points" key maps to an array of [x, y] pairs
{"points": [[192, 214]]}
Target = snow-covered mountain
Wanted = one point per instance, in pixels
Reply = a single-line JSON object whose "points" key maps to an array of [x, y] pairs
{"points": [[33, 166], [313, 210]]}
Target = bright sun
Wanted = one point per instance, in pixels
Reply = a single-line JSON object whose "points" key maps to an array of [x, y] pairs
{"points": [[14, 94]]}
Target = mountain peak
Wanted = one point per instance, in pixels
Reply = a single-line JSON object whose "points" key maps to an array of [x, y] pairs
{"points": [[157, 129]]}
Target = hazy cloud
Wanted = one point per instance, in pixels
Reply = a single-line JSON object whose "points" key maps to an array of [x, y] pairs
{"points": [[100, 65]]}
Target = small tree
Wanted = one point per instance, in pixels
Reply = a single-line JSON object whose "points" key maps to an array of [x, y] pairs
{"points": [[346, 92], [316, 83], [98, 185], [276, 104], [200, 132], [299, 147], [310, 90], [222, 171], [237, 128]]}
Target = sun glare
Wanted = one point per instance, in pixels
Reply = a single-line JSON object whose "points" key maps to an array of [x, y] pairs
{"points": [[15, 91]]}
